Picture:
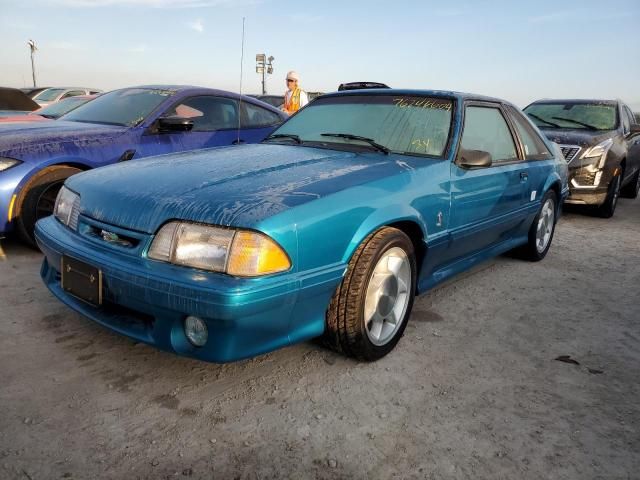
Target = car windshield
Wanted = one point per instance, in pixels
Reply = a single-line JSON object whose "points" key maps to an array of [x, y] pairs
{"points": [[127, 107], [49, 94], [56, 110], [581, 115], [406, 124]]}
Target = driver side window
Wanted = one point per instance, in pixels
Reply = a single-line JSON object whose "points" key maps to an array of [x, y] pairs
{"points": [[208, 113], [486, 129]]}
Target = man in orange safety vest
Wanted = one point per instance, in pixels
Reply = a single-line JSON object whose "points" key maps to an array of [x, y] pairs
{"points": [[295, 98]]}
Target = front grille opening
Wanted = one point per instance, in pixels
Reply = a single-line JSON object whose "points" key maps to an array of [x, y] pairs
{"points": [[569, 151], [112, 237]]}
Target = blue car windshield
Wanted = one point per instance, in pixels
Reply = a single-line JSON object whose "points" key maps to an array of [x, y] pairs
{"points": [[405, 124], [127, 107]]}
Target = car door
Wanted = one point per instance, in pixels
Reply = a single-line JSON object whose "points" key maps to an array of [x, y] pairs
{"points": [[539, 160], [486, 203]]}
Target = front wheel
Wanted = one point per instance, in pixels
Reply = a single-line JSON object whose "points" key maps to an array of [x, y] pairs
{"points": [[542, 229], [608, 208], [632, 188], [369, 311], [38, 198]]}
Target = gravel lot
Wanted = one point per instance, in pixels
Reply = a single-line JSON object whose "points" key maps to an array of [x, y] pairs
{"points": [[472, 391]]}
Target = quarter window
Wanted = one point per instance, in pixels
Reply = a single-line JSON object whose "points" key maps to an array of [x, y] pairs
{"points": [[254, 116], [486, 129], [534, 146], [207, 113]]}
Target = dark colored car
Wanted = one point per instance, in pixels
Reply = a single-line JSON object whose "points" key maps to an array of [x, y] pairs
{"points": [[50, 112], [14, 101], [600, 140], [361, 86], [274, 100], [32, 92], [131, 123]]}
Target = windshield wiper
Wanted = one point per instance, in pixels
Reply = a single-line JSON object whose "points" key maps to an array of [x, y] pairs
{"points": [[370, 141], [291, 136], [47, 115], [586, 125], [533, 115]]}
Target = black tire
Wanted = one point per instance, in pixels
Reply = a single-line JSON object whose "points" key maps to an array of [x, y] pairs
{"points": [[37, 199], [608, 208], [531, 251], [631, 189], [346, 330]]}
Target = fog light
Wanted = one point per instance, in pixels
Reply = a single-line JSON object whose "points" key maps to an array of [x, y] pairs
{"points": [[196, 331]]}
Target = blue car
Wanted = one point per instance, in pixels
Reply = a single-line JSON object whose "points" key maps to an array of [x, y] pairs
{"points": [[328, 228], [132, 123]]}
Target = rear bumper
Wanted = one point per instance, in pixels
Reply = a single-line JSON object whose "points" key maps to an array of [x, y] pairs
{"points": [[148, 301]]}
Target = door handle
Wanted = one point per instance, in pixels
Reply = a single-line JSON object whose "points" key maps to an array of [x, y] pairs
{"points": [[524, 176]]}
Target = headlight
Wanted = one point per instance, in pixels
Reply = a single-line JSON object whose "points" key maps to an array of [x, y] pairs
{"points": [[596, 155], [67, 207], [6, 163], [241, 253]]}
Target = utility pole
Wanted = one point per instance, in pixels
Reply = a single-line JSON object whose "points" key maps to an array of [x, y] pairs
{"points": [[33, 48], [264, 66]]}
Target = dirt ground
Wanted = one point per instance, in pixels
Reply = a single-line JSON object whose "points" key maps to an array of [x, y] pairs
{"points": [[471, 391]]}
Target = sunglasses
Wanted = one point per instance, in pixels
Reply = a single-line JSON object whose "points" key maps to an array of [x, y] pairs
{"points": [[289, 80]]}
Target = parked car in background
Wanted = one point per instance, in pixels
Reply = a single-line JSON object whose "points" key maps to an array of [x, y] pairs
{"points": [[329, 227], [55, 94], [52, 111], [276, 101], [126, 124], [361, 86], [32, 92], [600, 140], [15, 102]]}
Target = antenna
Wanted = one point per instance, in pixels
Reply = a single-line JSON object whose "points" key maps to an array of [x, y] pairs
{"points": [[240, 101]]}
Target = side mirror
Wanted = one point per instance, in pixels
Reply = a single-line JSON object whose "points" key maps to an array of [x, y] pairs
{"points": [[174, 124], [474, 159]]}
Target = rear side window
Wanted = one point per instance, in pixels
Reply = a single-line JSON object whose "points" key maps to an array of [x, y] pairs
{"points": [[534, 147], [486, 129], [254, 116], [208, 113]]}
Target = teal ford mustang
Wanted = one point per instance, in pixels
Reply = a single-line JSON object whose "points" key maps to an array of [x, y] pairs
{"points": [[328, 228]]}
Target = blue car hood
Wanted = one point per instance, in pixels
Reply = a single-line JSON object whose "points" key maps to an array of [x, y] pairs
{"points": [[238, 186], [21, 140]]}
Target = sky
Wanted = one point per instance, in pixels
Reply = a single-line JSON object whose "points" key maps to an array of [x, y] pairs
{"points": [[519, 51]]}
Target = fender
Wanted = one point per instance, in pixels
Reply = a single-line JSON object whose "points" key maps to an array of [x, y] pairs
{"points": [[68, 161], [380, 218]]}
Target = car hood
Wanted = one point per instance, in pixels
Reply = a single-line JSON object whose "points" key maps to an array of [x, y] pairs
{"points": [[19, 140], [581, 137], [238, 186]]}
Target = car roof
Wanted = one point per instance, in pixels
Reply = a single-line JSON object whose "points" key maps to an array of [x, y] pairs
{"points": [[430, 93], [575, 100]]}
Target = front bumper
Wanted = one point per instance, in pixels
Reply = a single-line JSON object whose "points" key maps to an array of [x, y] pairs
{"points": [[581, 190], [148, 300]]}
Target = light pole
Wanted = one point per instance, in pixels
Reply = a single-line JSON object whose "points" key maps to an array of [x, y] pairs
{"points": [[264, 66], [33, 48]]}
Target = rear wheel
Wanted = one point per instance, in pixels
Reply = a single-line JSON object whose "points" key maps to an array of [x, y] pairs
{"points": [[632, 188], [608, 208], [369, 311], [38, 198], [542, 229]]}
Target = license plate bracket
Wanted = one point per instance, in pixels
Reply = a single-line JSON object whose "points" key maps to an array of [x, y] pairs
{"points": [[81, 280]]}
